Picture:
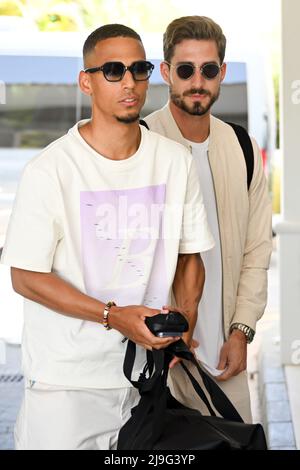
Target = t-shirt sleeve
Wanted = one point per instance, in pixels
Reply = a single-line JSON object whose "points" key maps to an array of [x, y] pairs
{"points": [[34, 228], [196, 235]]}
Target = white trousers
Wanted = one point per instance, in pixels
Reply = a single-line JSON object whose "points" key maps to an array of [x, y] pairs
{"points": [[56, 418]]}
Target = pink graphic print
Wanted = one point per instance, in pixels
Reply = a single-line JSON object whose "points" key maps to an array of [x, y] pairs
{"points": [[123, 253]]}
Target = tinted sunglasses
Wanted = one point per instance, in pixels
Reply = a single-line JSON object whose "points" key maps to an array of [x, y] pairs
{"points": [[115, 71], [187, 70]]}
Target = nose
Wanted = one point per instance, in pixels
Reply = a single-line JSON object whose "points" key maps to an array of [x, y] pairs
{"points": [[197, 79], [128, 80]]}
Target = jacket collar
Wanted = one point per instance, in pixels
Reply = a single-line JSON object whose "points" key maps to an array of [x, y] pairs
{"points": [[174, 131]]}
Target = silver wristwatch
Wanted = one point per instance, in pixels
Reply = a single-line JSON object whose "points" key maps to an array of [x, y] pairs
{"points": [[248, 332]]}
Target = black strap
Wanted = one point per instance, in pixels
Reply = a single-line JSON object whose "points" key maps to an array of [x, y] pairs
{"points": [[161, 359], [198, 389], [143, 123], [220, 401], [154, 393], [144, 384], [246, 145]]}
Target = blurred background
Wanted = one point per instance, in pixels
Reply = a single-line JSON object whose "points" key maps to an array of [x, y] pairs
{"points": [[40, 57]]}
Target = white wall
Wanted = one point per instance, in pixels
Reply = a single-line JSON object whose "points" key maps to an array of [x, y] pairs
{"points": [[289, 228]]}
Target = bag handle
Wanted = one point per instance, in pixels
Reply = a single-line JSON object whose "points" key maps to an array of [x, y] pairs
{"points": [[198, 389], [152, 391], [155, 361], [220, 401], [161, 360]]}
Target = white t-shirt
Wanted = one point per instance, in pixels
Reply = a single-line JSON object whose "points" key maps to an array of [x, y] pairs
{"points": [[209, 327], [113, 229]]}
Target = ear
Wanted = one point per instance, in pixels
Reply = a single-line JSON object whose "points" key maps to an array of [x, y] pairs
{"points": [[165, 72], [223, 71], [84, 82]]}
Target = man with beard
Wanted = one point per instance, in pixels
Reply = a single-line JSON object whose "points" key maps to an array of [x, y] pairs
{"points": [[235, 290], [95, 248]]}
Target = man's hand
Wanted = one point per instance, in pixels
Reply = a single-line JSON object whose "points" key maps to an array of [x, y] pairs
{"points": [[233, 356], [130, 321]]}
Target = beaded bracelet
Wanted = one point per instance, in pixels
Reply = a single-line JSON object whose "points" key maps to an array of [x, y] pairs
{"points": [[105, 322]]}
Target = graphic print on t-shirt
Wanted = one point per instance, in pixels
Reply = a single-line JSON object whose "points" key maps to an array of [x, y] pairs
{"points": [[123, 252]]}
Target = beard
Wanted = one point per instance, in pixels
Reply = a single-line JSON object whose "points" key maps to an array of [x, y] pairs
{"points": [[197, 108], [129, 119]]}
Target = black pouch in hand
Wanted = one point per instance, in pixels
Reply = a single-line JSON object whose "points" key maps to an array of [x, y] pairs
{"points": [[170, 324]]}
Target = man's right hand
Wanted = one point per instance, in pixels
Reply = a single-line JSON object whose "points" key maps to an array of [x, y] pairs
{"points": [[130, 321]]}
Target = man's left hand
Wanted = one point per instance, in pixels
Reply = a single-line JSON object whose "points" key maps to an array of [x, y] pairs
{"points": [[233, 356]]}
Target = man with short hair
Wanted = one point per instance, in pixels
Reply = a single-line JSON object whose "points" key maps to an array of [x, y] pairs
{"points": [[96, 247], [235, 291]]}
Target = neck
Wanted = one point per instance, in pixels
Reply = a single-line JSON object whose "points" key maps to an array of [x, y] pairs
{"points": [[110, 138], [193, 128]]}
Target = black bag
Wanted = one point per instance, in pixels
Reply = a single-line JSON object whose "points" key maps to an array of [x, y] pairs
{"points": [[160, 422]]}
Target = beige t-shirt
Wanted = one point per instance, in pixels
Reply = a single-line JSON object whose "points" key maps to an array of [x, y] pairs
{"points": [[113, 229]]}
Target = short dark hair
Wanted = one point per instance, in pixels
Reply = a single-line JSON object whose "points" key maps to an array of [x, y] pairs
{"points": [[106, 32], [193, 27]]}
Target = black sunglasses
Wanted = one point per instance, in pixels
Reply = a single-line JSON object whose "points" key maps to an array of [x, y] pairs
{"points": [[187, 70], [115, 71]]}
